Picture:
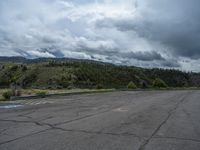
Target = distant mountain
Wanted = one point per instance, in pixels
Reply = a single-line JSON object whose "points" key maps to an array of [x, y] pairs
{"points": [[12, 59], [23, 60]]}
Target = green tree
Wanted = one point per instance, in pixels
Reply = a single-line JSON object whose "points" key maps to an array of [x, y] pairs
{"points": [[158, 83]]}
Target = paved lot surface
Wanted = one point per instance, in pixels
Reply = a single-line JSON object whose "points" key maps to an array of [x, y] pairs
{"points": [[151, 120]]}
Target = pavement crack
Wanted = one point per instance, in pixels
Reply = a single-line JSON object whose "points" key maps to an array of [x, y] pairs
{"points": [[86, 116], [91, 132], [142, 147], [25, 116], [2, 131], [178, 138], [21, 137], [33, 122], [195, 128], [28, 113], [98, 132]]}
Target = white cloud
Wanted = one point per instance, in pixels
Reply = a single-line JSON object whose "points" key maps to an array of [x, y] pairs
{"points": [[40, 54]]}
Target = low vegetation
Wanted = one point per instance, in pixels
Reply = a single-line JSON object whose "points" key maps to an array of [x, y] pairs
{"points": [[99, 86], [131, 85], [158, 83], [7, 95], [41, 93], [45, 92]]}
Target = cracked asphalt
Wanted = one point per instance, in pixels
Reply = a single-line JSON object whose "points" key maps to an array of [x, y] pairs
{"points": [[122, 120]]}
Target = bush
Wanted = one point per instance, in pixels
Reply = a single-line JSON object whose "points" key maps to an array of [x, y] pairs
{"points": [[7, 95], [131, 85], [14, 68], [158, 83], [41, 93], [99, 86], [24, 68], [28, 78]]}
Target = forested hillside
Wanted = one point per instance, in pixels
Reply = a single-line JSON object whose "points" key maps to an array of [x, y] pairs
{"points": [[72, 73]]}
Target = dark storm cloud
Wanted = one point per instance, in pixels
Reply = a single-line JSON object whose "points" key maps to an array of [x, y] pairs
{"points": [[170, 63], [143, 56], [107, 51], [147, 58], [175, 24]]}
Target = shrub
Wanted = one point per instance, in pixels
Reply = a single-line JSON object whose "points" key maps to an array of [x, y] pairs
{"points": [[24, 68], [14, 68], [99, 86], [158, 83], [41, 93], [7, 95], [131, 85]]}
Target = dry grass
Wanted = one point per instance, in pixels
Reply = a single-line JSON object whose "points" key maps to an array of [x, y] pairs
{"points": [[29, 92]]}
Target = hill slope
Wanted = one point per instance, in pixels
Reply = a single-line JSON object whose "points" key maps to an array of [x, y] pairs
{"points": [[74, 73]]}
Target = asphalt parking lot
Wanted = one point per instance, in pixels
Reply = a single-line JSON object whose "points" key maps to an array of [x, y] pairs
{"points": [[122, 120]]}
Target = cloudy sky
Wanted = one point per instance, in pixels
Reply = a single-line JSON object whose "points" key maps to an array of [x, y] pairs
{"points": [[146, 33]]}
